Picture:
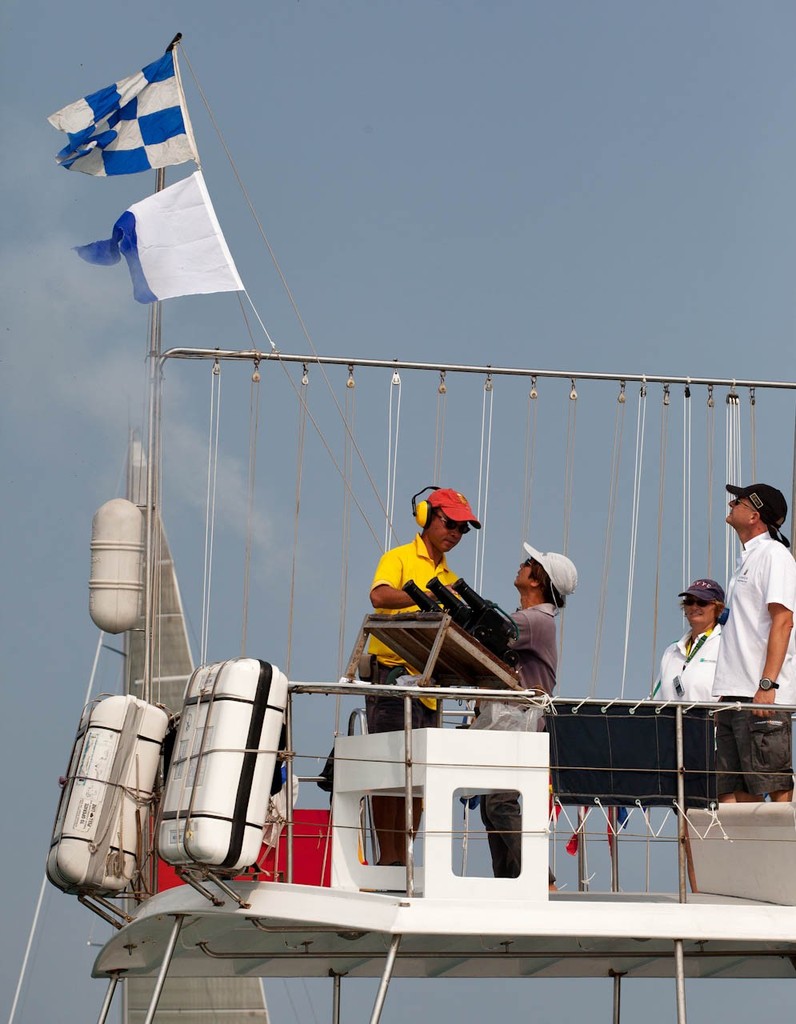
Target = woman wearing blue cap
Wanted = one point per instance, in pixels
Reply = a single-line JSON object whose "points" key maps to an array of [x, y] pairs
{"points": [[688, 666]]}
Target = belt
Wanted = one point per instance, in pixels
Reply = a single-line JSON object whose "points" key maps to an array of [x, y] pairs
{"points": [[736, 700]]}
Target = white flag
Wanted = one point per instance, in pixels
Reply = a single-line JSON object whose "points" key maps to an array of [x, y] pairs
{"points": [[173, 244]]}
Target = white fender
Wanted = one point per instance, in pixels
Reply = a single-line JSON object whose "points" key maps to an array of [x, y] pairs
{"points": [[116, 584]]}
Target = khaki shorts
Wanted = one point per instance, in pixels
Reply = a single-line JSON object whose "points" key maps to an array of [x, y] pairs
{"points": [[753, 754]]}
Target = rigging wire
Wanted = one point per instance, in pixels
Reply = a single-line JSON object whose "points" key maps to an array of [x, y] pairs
{"points": [[392, 455], [637, 471], [686, 574], [616, 461], [302, 424], [752, 435], [710, 430], [254, 427], [210, 503], [529, 461], [483, 480], [43, 887], [661, 492]]}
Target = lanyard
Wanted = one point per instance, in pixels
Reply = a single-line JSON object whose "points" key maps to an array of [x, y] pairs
{"points": [[697, 646]]}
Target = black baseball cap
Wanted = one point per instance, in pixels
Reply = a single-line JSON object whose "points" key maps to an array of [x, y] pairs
{"points": [[769, 503]]}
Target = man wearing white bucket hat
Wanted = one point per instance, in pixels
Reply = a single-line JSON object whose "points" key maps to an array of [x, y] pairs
{"points": [[544, 581]]}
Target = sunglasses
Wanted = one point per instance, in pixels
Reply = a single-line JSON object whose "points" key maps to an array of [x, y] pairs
{"points": [[453, 524], [689, 602], [528, 563], [739, 501]]}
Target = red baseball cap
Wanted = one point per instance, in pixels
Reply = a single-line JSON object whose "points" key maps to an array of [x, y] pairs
{"points": [[454, 505]]}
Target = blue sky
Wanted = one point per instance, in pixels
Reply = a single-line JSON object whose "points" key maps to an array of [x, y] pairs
{"points": [[575, 186]]}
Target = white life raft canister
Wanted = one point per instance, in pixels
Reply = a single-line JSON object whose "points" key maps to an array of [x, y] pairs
{"points": [[218, 786], [102, 816]]}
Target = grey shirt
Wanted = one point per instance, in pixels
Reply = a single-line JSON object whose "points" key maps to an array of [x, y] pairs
{"points": [[536, 647]]}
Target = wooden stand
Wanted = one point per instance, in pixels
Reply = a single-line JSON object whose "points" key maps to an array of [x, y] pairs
{"points": [[442, 652]]}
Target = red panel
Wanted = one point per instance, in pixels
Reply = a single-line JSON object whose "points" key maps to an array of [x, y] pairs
{"points": [[312, 855]]}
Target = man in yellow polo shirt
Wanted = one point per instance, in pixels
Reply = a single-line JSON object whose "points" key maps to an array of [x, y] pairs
{"points": [[444, 518]]}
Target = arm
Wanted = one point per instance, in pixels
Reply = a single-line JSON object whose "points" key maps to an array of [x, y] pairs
{"points": [[776, 649], [385, 596]]}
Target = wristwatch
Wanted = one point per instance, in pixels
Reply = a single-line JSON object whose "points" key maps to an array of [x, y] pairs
{"points": [[768, 684]]}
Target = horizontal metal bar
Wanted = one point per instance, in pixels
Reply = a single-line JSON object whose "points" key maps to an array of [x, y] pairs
{"points": [[254, 355], [508, 954], [354, 689]]}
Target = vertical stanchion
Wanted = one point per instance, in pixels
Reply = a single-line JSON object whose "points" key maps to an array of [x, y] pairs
{"points": [[289, 785], [679, 973], [613, 817], [164, 968], [336, 982], [681, 825], [409, 822], [583, 884], [378, 1006], [106, 1003]]}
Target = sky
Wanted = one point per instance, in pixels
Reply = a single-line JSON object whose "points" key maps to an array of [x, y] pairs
{"points": [[579, 187]]}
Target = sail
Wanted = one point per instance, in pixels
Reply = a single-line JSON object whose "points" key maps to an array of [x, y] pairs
{"points": [[216, 1000]]}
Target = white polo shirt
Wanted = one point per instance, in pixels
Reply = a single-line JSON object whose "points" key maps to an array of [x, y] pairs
{"points": [[766, 574], [696, 675]]}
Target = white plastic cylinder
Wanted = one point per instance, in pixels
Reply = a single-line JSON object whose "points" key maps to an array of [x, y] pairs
{"points": [[116, 584]]}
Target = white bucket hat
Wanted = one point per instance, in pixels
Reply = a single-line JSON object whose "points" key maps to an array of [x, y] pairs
{"points": [[562, 572]]}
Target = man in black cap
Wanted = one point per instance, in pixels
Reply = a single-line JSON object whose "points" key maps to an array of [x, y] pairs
{"points": [[756, 662]]}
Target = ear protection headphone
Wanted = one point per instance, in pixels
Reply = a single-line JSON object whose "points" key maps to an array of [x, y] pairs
{"points": [[422, 510]]}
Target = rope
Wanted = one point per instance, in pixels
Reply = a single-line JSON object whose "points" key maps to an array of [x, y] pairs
{"points": [[661, 492], [302, 424], [733, 472], [345, 543], [439, 426], [392, 457], [210, 504], [254, 424], [686, 575], [637, 469], [616, 461], [752, 434], [530, 459], [487, 402], [569, 470]]}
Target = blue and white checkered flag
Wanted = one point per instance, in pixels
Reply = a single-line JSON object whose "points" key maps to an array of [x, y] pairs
{"points": [[133, 125]]}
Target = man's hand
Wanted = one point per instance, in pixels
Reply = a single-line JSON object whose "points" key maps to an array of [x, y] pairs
{"points": [[763, 697]]}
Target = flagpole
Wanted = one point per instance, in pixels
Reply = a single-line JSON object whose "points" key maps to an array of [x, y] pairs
{"points": [[153, 478]]}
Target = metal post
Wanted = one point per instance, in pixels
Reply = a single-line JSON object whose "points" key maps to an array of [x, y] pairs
{"points": [[375, 1017], [613, 817], [583, 884], [409, 820], [681, 824], [679, 973], [617, 976], [289, 786], [164, 969], [336, 982], [106, 1003]]}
